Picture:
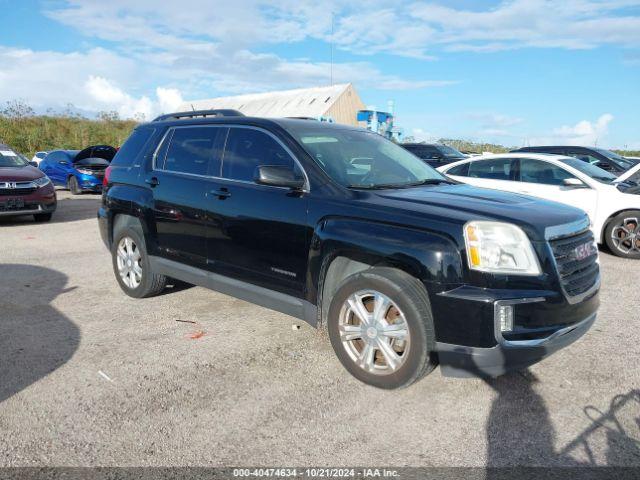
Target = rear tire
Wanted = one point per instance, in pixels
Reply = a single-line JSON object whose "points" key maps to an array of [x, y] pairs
{"points": [[74, 186], [131, 264], [399, 328], [42, 217], [622, 234]]}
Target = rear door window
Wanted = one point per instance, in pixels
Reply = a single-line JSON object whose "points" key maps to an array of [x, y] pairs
{"points": [[498, 169], [193, 150], [537, 171], [247, 149]]}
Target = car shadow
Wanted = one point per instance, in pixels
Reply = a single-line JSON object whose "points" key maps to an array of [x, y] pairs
{"points": [[79, 207], [520, 433], [35, 338]]}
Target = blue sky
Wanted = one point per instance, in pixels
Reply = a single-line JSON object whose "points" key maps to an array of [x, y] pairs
{"points": [[514, 72]]}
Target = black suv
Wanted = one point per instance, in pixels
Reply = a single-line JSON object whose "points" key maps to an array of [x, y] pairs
{"points": [[605, 159], [342, 228], [435, 154]]}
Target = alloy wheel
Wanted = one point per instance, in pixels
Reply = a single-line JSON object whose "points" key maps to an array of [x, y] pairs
{"points": [[129, 262], [626, 236], [374, 332]]}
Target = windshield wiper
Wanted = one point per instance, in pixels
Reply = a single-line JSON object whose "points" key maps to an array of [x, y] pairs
{"points": [[430, 181], [383, 186]]}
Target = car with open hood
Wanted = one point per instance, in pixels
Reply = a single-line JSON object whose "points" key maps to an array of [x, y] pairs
{"points": [[79, 171], [24, 190], [612, 203]]}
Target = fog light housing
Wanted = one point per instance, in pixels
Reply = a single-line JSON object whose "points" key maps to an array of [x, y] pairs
{"points": [[504, 317]]}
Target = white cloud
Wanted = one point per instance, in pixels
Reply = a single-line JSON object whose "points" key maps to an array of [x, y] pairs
{"points": [[90, 81], [110, 97], [421, 135], [585, 133]]}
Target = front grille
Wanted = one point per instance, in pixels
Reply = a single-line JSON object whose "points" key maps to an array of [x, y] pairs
{"points": [[577, 274], [95, 171], [17, 191]]}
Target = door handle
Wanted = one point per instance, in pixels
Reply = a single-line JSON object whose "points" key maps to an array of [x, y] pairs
{"points": [[153, 181], [221, 193]]}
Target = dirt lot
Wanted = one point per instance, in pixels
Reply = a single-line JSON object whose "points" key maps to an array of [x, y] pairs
{"points": [[89, 376]]}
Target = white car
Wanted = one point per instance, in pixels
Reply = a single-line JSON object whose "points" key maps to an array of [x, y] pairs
{"points": [[38, 157], [614, 214], [632, 174]]}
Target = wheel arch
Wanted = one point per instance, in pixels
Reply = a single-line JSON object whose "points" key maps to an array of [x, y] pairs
{"points": [[606, 223], [343, 247]]}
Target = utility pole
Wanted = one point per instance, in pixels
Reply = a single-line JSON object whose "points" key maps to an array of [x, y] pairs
{"points": [[331, 51]]}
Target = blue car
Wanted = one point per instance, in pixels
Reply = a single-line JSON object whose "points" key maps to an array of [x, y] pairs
{"points": [[79, 171]]}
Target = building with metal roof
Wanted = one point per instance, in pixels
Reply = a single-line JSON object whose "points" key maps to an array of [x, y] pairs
{"points": [[337, 103]]}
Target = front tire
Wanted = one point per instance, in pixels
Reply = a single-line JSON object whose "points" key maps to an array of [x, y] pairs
{"points": [[381, 328], [132, 267], [622, 234], [74, 186]]}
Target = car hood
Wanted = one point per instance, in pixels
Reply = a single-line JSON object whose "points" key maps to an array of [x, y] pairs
{"points": [[465, 203], [106, 152], [19, 174]]}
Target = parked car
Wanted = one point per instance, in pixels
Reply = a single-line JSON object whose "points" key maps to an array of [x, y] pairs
{"points": [[405, 267], [435, 154], [612, 206], [38, 157], [631, 175], [79, 171], [604, 159], [24, 190]]}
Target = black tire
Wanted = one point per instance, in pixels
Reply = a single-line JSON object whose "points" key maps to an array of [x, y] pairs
{"points": [[410, 296], [74, 187], [151, 284], [625, 249], [43, 217]]}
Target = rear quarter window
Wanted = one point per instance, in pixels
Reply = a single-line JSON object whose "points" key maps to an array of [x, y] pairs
{"points": [[133, 148]]}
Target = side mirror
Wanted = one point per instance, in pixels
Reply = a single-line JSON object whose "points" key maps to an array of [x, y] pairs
{"points": [[33, 164], [573, 183], [278, 176]]}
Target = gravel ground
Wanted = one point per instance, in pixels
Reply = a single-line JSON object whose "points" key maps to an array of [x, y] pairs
{"points": [[89, 376]]}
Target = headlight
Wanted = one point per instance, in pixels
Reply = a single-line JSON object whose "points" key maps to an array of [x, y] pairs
{"points": [[84, 171], [499, 248], [42, 181]]}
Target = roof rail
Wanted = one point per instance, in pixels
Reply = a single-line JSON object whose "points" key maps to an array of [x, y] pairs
{"points": [[225, 112]]}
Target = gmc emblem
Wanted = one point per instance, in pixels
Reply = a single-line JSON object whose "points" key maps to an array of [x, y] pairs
{"points": [[585, 250]]}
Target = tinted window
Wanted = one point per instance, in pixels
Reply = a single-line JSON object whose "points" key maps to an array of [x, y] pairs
{"points": [[499, 169], [247, 149], [424, 151], [191, 149], [460, 170], [536, 171], [133, 147]]}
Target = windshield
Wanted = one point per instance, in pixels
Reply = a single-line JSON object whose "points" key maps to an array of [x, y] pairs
{"points": [[450, 152], [9, 158], [588, 169], [361, 159], [615, 158]]}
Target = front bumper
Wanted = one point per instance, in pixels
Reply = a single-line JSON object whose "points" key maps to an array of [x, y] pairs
{"points": [[41, 201], [461, 361]]}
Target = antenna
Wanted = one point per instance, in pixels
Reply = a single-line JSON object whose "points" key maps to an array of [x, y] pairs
{"points": [[331, 49], [192, 109]]}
